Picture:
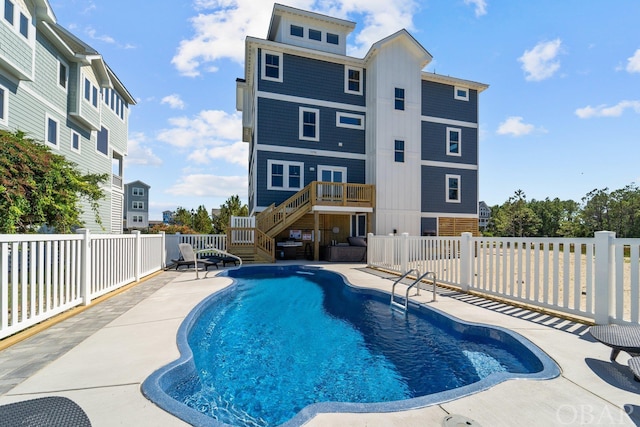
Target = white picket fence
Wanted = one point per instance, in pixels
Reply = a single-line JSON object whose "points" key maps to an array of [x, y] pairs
{"points": [[595, 278]]}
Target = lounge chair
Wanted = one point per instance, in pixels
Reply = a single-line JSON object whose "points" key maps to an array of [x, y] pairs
{"points": [[188, 257], [223, 259], [50, 411], [619, 337]]}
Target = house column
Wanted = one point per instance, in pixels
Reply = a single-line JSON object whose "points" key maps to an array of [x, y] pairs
{"points": [[316, 234]]}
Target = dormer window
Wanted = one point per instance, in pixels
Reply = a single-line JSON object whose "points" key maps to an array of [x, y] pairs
{"points": [[333, 38], [297, 31]]}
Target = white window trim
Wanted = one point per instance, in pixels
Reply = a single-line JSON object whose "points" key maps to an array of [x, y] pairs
{"points": [[5, 106], [459, 132], [322, 168], [346, 80], [404, 150], [108, 142], [460, 98], [263, 71], [56, 146], [137, 191], [137, 205], [285, 175], [61, 62], [301, 124], [340, 114], [73, 133], [309, 35], [446, 184], [353, 232]]}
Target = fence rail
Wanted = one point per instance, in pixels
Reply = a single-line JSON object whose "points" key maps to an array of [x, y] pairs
{"points": [[595, 278]]}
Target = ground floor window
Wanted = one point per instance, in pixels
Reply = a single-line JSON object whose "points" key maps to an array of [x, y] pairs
{"points": [[359, 225]]}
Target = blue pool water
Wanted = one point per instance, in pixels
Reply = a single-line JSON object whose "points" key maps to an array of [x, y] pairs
{"points": [[283, 338]]}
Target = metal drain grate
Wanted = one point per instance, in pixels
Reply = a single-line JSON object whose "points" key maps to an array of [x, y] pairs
{"points": [[459, 421]]}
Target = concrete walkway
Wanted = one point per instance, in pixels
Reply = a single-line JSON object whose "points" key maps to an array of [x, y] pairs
{"points": [[100, 357]]}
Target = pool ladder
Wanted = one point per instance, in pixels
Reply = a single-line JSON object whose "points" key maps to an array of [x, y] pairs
{"points": [[405, 307]]}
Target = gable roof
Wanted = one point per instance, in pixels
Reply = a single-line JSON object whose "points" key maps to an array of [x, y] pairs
{"points": [[280, 10], [406, 38]]}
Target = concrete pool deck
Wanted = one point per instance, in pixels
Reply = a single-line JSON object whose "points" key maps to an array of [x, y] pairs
{"points": [[100, 357]]}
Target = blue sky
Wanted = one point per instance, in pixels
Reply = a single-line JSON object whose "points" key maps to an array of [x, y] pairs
{"points": [[561, 116]]}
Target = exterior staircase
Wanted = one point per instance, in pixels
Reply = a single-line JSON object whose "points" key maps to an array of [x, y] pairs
{"points": [[252, 238]]}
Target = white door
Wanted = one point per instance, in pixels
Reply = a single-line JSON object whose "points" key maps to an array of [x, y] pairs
{"points": [[331, 174]]}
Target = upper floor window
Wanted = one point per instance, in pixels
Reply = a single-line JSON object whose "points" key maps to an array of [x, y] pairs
{"points": [[272, 66], [87, 89], [94, 96], [353, 80], [454, 142], [102, 141], [333, 38], [75, 141], [315, 35], [461, 93], [284, 175], [137, 191], [398, 151], [136, 218], [24, 25], [4, 106], [63, 75], [137, 205], [452, 188], [399, 99], [8, 11], [297, 31], [347, 120], [309, 124], [52, 131]]}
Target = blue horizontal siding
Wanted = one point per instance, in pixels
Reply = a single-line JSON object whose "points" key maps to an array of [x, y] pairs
{"points": [[434, 144], [278, 124], [438, 101], [311, 78], [355, 173], [433, 190]]}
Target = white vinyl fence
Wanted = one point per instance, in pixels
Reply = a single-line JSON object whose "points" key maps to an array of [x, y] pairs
{"points": [[594, 278], [43, 275]]}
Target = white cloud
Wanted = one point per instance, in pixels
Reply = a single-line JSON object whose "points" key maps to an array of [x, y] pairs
{"points": [[139, 153], [174, 101], [208, 185], [633, 64], [515, 127], [208, 128], [222, 26], [236, 153], [605, 111], [480, 6], [92, 33], [540, 62]]}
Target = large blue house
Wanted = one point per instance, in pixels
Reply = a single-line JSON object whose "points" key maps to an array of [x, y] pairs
{"points": [[365, 144]]}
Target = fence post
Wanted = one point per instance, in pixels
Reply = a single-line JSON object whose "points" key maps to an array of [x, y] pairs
{"points": [[85, 259], [604, 292], [369, 249], [466, 261], [163, 251], [404, 252], [137, 254]]}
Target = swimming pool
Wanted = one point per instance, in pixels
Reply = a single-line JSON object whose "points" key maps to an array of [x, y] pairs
{"points": [[284, 343]]}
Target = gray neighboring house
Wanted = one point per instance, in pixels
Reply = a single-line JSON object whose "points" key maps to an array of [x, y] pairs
{"points": [[58, 90], [136, 205], [484, 215]]}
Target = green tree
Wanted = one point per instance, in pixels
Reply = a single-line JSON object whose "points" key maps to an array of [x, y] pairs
{"points": [[232, 207], [38, 187], [516, 219], [183, 217], [202, 221], [595, 212]]}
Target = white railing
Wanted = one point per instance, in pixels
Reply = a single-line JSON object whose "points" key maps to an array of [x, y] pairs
{"points": [[595, 278], [43, 275]]}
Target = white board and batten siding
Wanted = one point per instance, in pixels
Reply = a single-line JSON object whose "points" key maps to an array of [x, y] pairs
{"points": [[395, 65]]}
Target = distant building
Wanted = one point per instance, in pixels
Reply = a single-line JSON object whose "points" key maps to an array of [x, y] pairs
{"points": [[484, 215], [167, 217], [136, 205], [59, 90]]}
